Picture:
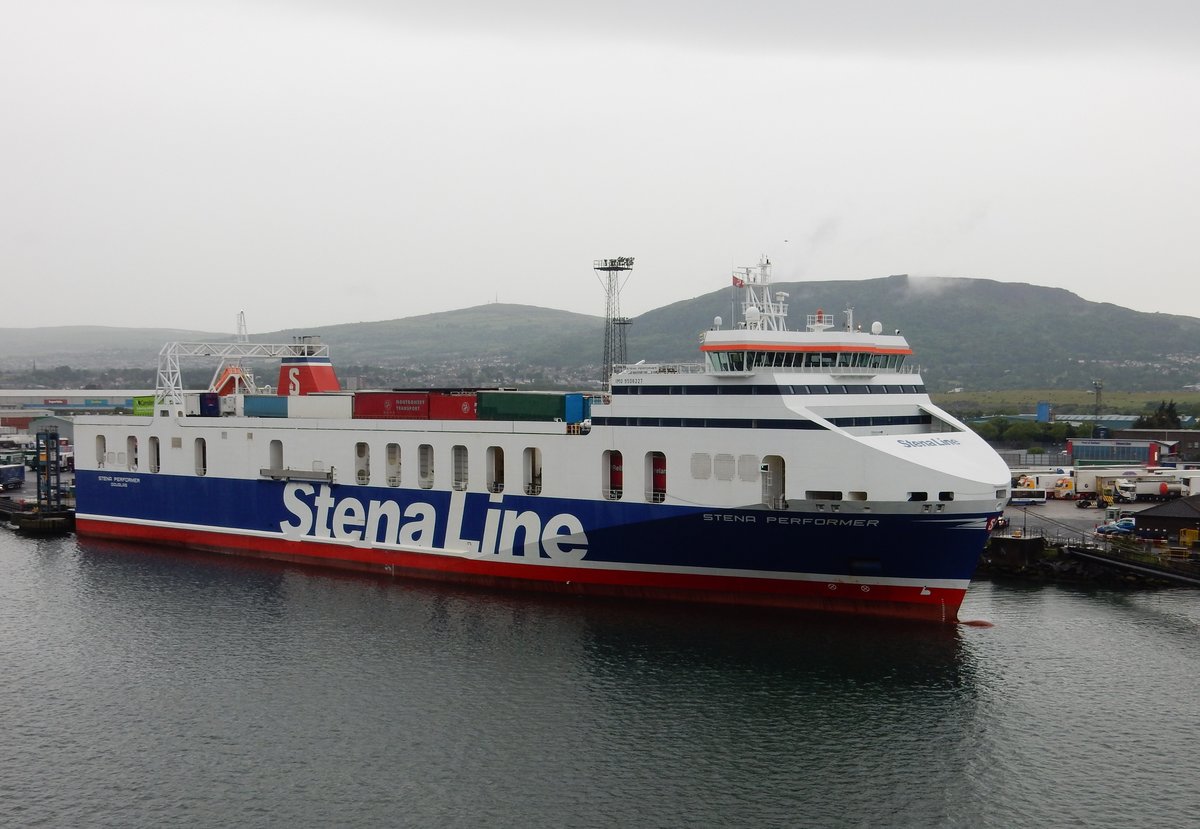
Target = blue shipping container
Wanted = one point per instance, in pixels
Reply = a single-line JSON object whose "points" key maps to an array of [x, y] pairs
{"points": [[265, 405]]}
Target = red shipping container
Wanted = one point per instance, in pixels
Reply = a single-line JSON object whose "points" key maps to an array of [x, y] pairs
{"points": [[393, 405], [444, 406]]}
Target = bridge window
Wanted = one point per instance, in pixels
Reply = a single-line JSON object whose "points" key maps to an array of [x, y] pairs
{"points": [[532, 470], [200, 456]]}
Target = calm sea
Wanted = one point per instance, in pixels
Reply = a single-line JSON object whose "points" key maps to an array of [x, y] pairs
{"points": [[144, 688]]}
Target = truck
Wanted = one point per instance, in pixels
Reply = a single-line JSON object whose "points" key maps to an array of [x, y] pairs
{"points": [[1155, 488], [12, 476]]}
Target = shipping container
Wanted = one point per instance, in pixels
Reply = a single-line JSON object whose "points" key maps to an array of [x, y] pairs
{"points": [[528, 405], [458, 406], [210, 404], [332, 406], [380, 405], [265, 405]]}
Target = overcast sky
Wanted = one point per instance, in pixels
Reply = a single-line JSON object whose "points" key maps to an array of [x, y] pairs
{"points": [[170, 162]]}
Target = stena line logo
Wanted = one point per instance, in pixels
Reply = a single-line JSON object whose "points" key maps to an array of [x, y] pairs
{"points": [[931, 442], [506, 532]]}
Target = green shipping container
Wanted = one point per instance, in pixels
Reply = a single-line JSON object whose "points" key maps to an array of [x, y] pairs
{"points": [[521, 405], [144, 406]]}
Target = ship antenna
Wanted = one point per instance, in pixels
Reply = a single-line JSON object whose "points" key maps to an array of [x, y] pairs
{"points": [[610, 273]]}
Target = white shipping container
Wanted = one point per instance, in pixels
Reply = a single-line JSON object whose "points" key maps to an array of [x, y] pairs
{"points": [[321, 405]]}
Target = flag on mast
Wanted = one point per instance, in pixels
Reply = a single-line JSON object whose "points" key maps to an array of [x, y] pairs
{"points": [[738, 282]]}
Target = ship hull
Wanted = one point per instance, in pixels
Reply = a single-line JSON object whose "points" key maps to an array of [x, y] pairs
{"points": [[880, 564]]}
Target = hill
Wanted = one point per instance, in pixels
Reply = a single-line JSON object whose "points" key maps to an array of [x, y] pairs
{"points": [[973, 334]]}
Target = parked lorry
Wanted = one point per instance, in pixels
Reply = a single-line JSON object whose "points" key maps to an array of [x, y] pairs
{"points": [[1130, 490], [12, 476]]}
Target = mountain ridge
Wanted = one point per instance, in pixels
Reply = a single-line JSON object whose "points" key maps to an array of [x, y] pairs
{"points": [[968, 333]]}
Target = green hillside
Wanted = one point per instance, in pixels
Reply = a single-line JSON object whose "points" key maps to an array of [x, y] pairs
{"points": [[970, 334]]}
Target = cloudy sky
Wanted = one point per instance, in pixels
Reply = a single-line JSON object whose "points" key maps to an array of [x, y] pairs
{"points": [[170, 162]]}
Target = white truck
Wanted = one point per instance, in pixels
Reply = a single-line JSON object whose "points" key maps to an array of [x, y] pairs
{"points": [[1150, 488]]}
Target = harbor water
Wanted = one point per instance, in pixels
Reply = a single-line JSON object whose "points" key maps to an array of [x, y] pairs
{"points": [[142, 687]]}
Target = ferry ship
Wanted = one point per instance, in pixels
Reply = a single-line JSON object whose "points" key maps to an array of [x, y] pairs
{"points": [[803, 469]]}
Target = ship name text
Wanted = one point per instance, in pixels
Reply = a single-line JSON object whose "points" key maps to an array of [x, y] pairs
{"points": [[317, 514]]}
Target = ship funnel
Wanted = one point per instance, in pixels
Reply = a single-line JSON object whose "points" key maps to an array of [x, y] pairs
{"points": [[307, 370]]}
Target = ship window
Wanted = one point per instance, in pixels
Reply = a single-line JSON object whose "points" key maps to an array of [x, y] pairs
{"points": [[101, 449], [393, 464], [656, 477], [425, 466], [532, 470], [200, 455], [843, 359], [131, 452], [701, 466], [495, 469], [612, 468], [737, 360], [856, 495], [362, 463], [724, 467], [155, 455], [275, 459], [823, 495], [458, 460], [1002, 493], [918, 496], [945, 496], [748, 468]]}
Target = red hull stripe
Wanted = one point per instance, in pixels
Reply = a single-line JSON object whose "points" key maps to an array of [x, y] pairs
{"points": [[930, 603]]}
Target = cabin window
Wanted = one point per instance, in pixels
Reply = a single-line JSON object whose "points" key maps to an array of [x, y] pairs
{"points": [[495, 469], [856, 495], [656, 477], [425, 466], [823, 495], [200, 455], [748, 468], [155, 455], [918, 496], [945, 496], [275, 460], [362, 463], [613, 471], [131, 453], [724, 467], [458, 460], [101, 450], [532, 470], [701, 466], [393, 464]]}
